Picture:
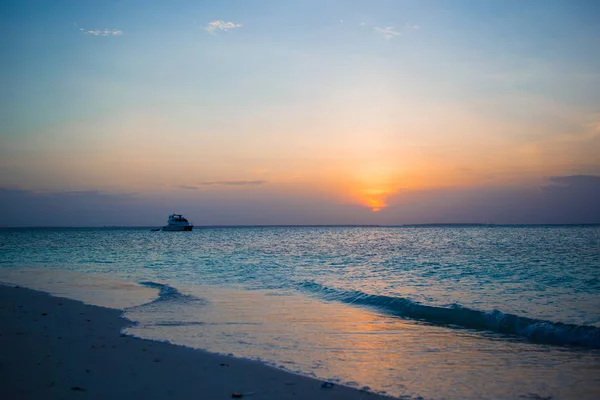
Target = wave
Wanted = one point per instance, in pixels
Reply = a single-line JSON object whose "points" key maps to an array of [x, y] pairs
{"points": [[168, 293], [535, 330]]}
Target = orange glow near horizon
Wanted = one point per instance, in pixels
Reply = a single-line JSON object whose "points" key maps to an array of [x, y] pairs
{"points": [[372, 187], [375, 199], [375, 181]]}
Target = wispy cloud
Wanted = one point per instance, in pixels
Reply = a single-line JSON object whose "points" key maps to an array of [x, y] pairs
{"points": [[103, 32], [220, 25], [232, 183], [388, 32], [99, 32], [222, 183]]}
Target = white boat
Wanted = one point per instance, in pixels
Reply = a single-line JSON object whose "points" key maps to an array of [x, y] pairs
{"points": [[177, 223]]}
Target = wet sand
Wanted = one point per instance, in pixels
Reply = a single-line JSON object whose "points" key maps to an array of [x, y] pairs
{"points": [[55, 348]]}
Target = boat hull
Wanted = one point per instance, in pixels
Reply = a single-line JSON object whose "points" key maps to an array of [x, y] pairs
{"points": [[175, 228]]}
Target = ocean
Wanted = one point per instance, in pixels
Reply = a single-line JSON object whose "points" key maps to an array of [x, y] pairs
{"points": [[419, 312]]}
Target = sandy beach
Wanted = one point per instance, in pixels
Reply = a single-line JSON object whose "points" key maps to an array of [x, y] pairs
{"points": [[56, 348]]}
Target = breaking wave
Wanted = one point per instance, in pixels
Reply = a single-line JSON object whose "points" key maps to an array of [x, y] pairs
{"points": [[535, 330]]}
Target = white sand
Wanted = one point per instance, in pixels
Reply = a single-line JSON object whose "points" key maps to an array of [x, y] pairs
{"points": [[55, 348]]}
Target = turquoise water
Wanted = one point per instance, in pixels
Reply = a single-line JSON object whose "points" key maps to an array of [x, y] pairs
{"points": [[431, 312]]}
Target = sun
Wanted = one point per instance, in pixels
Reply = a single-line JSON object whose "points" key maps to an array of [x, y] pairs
{"points": [[371, 184], [374, 198]]}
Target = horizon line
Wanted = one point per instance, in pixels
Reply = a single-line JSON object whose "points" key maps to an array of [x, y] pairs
{"points": [[441, 224]]}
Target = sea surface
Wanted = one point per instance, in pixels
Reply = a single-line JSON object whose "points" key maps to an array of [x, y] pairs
{"points": [[435, 312]]}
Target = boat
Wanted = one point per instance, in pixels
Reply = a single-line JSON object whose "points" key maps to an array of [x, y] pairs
{"points": [[177, 223]]}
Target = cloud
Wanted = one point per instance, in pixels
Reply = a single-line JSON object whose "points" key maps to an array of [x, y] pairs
{"points": [[101, 32], [222, 183], [589, 181], [232, 183], [388, 32], [68, 208], [562, 199], [28, 208], [220, 25]]}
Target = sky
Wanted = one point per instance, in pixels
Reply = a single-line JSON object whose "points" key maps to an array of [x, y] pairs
{"points": [[312, 112]]}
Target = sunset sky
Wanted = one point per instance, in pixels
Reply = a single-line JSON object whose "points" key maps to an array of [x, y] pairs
{"points": [[277, 112]]}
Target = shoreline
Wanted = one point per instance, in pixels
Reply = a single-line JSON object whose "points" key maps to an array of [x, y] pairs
{"points": [[54, 347]]}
